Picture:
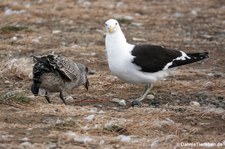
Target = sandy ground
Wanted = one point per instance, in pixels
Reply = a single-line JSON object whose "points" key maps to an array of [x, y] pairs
{"points": [[187, 110]]}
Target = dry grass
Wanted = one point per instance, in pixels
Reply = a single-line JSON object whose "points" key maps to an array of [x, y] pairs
{"points": [[75, 29]]}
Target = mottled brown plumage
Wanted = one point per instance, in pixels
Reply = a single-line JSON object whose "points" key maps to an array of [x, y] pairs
{"points": [[55, 73]]}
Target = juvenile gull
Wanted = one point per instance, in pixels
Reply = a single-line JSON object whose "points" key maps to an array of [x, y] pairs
{"points": [[142, 64], [55, 73]]}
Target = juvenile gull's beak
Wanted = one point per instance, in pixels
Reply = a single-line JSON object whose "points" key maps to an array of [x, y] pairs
{"points": [[111, 29]]}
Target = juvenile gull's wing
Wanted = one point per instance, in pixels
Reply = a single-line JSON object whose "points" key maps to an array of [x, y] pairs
{"points": [[67, 68]]}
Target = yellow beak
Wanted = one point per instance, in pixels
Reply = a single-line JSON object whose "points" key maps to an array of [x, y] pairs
{"points": [[111, 29]]}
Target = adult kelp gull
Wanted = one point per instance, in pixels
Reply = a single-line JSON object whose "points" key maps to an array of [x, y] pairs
{"points": [[142, 64]]}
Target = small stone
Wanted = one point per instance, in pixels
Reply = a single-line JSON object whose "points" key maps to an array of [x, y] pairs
{"points": [[137, 24], [219, 110], [29, 129], [173, 93], [88, 54], [116, 100], [150, 97], [124, 138], [138, 39], [224, 142], [184, 130], [194, 12], [178, 14], [92, 72], [101, 142], [69, 99], [165, 122], [56, 31], [109, 125], [128, 18], [209, 84], [7, 82], [114, 127], [36, 40], [90, 117], [52, 145], [210, 74], [208, 37], [25, 139], [30, 76], [27, 5], [42, 92], [93, 110], [195, 103], [25, 145], [101, 112], [122, 102], [203, 95], [75, 46], [14, 38]]}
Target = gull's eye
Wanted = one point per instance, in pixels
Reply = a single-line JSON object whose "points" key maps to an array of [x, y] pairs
{"points": [[116, 23], [105, 24]]}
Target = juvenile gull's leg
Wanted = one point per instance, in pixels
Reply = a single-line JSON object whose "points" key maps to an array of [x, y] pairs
{"points": [[46, 97], [61, 97]]}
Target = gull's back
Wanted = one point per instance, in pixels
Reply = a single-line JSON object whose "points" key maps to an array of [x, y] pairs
{"points": [[55, 73]]}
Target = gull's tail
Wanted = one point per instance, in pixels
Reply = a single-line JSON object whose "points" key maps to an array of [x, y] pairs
{"points": [[193, 57]]}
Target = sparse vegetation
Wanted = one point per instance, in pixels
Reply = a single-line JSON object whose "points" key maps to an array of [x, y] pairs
{"points": [[8, 29], [14, 97], [124, 20], [188, 107]]}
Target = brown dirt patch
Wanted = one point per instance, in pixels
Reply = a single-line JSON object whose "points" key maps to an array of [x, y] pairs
{"points": [[75, 29]]}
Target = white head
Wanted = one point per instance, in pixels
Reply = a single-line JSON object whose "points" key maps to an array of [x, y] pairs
{"points": [[112, 26]]}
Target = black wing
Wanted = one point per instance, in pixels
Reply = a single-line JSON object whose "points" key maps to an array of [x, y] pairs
{"points": [[152, 58]]}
